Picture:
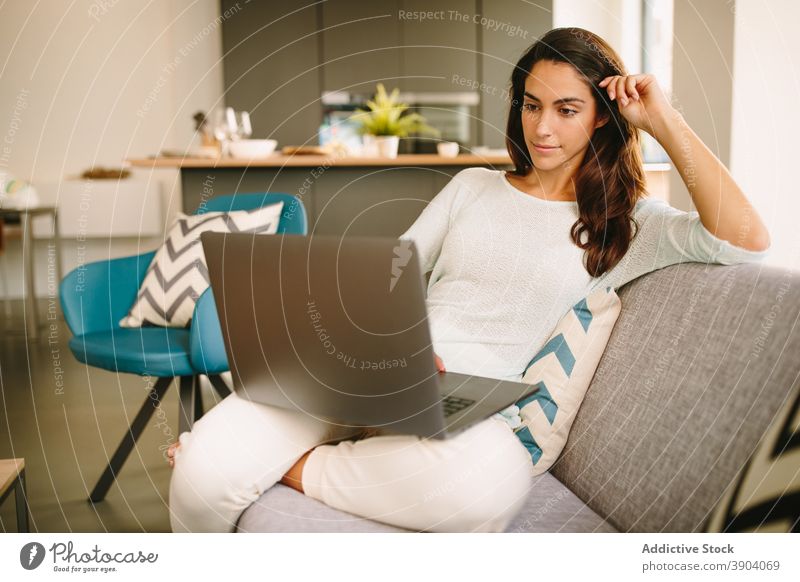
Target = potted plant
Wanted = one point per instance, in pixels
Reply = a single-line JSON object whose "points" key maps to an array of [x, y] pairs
{"points": [[386, 122]]}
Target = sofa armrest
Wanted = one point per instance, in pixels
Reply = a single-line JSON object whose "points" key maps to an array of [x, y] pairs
{"points": [[695, 371]]}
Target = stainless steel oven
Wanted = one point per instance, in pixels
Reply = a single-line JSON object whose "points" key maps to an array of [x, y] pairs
{"points": [[452, 113]]}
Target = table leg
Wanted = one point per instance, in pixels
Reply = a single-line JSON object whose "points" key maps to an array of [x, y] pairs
{"points": [[4, 273], [31, 312], [21, 499], [57, 243]]}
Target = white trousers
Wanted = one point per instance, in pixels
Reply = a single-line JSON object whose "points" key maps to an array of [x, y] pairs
{"points": [[475, 481]]}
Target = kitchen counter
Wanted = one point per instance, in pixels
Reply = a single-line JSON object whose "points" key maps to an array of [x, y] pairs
{"points": [[354, 195], [308, 161], [342, 195]]}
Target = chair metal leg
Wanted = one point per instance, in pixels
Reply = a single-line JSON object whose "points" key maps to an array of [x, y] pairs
{"points": [[129, 440], [198, 400], [187, 403], [220, 386]]}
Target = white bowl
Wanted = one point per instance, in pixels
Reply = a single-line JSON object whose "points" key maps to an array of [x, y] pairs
{"points": [[447, 149], [252, 148]]}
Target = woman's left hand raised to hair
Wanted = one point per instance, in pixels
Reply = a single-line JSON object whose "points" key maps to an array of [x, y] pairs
{"points": [[641, 100]]}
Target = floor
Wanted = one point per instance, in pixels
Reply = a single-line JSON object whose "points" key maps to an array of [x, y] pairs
{"points": [[65, 420]]}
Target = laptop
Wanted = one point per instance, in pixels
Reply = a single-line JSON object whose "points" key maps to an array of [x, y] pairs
{"points": [[337, 328]]}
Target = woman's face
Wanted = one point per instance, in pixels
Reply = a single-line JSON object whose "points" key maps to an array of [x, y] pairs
{"points": [[559, 116]]}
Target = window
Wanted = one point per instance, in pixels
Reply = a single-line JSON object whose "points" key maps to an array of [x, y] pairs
{"points": [[657, 60]]}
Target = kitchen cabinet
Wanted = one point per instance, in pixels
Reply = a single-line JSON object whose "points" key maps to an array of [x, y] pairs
{"points": [[102, 209], [270, 65], [382, 202], [361, 45], [515, 27], [437, 51]]}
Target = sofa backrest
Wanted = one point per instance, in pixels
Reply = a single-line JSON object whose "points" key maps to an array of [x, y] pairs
{"points": [[700, 362]]}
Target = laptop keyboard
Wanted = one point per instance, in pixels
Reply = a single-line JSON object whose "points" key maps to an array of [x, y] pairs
{"points": [[453, 404]]}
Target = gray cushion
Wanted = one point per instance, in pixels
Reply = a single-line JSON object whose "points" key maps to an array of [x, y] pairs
{"points": [[550, 507], [281, 509], [701, 359]]}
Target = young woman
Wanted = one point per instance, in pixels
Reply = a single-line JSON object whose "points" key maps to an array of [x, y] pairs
{"points": [[510, 253]]}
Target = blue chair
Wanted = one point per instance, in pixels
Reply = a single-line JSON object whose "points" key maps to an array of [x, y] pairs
{"points": [[96, 296]]}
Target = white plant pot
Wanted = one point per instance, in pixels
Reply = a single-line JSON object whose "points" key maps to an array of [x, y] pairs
{"points": [[381, 145], [387, 145], [369, 147]]}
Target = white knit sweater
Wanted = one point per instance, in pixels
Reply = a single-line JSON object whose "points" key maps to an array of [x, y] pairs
{"points": [[505, 268]]}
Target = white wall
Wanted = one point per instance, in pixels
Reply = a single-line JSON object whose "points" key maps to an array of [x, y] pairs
{"points": [[618, 22], [702, 79], [94, 82], [766, 118]]}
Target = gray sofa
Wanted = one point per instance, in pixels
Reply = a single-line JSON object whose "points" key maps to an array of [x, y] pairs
{"points": [[701, 360]]}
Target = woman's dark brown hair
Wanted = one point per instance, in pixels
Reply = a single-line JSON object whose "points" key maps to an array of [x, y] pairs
{"points": [[610, 179]]}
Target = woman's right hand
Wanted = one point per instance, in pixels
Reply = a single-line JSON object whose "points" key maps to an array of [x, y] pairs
{"points": [[439, 363]]}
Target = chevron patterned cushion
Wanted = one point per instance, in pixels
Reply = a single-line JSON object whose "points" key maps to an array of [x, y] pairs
{"points": [[765, 496], [562, 370], [178, 275]]}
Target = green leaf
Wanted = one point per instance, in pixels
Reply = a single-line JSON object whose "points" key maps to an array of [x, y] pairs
{"points": [[388, 117]]}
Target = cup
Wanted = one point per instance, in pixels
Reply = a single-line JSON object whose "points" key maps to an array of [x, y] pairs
{"points": [[447, 149]]}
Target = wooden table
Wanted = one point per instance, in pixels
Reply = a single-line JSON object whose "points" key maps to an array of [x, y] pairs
{"points": [[12, 479]]}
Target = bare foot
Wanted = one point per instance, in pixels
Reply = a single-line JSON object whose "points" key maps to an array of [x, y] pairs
{"points": [[171, 453]]}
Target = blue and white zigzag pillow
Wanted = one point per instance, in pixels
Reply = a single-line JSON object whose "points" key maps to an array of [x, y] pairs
{"points": [[563, 370]]}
